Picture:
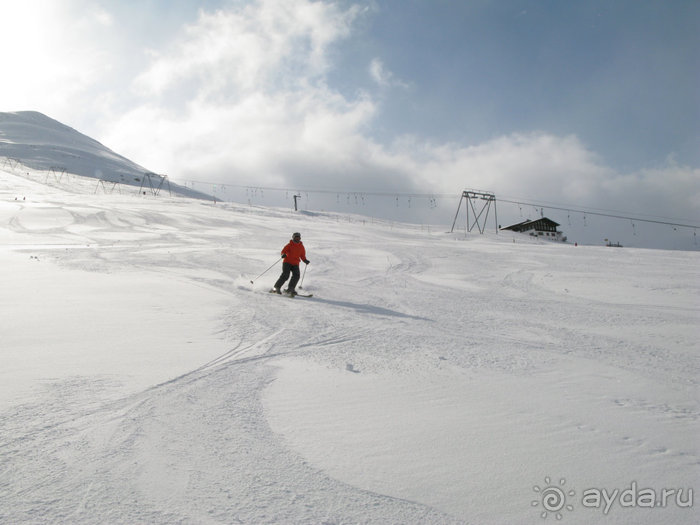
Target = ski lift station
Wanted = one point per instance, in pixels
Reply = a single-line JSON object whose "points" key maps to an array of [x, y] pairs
{"points": [[543, 227]]}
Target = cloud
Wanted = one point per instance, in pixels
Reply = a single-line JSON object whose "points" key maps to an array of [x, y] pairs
{"points": [[383, 77], [546, 168], [264, 46], [52, 53], [242, 95]]}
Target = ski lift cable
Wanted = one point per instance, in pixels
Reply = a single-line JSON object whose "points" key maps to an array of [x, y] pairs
{"points": [[617, 214], [520, 202], [600, 214]]}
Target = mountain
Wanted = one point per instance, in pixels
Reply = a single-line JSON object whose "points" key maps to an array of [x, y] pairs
{"points": [[42, 143]]}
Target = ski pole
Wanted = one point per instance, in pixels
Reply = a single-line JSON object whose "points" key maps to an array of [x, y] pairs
{"points": [[302, 277], [270, 268]]}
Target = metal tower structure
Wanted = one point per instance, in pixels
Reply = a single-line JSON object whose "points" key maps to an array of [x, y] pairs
{"points": [[474, 218]]}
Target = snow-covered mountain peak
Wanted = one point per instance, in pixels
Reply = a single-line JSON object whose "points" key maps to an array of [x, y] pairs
{"points": [[42, 143]]}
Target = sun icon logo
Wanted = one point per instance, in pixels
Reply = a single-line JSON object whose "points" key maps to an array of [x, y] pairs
{"points": [[553, 498]]}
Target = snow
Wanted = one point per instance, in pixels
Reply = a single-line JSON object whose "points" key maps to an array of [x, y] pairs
{"points": [[432, 378], [46, 146]]}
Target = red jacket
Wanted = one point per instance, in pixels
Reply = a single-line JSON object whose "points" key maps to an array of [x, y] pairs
{"points": [[295, 253]]}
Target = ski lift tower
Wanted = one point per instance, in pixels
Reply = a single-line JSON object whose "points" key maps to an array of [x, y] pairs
{"points": [[155, 188], [482, 198]]}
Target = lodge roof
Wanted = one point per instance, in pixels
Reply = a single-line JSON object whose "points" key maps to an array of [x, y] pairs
{"points": [[543, 224]]}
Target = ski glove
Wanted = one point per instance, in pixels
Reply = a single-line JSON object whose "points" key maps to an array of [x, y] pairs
{"points": [[306, 261]]}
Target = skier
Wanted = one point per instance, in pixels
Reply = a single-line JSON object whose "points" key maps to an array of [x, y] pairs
{"points": [[293, 253]]}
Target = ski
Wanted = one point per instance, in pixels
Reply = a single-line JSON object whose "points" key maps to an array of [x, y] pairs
{"points": [[297, 294], [286, 294]]}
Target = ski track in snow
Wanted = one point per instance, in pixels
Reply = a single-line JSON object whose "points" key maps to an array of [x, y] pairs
{"points": [[577, 348]]}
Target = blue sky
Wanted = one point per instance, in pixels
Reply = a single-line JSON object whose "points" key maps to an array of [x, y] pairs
{"points": [[589, 103], [622, 75]]}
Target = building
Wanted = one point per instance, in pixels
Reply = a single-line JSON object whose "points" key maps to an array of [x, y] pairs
{"points": [[543, 227]]}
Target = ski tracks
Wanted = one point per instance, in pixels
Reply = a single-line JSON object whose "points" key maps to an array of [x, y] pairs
{"points": [[197, 448], [77, 454]]}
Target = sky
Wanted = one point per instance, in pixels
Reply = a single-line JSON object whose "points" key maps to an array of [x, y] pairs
{"points": [[583, 103]]}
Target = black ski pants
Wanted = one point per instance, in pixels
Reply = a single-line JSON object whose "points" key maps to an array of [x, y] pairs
{"points": [[288, 268]]}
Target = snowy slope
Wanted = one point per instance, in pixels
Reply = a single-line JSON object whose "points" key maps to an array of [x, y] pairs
{"points": [[44, 144], [432, 378]]}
